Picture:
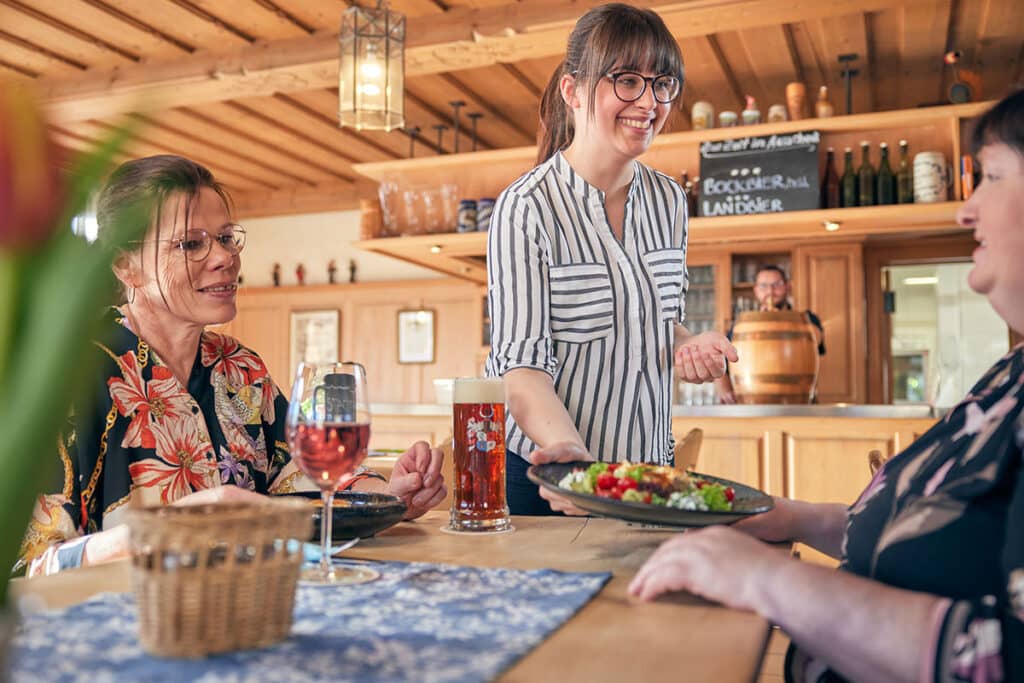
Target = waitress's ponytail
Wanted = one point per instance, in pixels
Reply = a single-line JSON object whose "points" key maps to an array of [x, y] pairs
{"points": [[556, 126]]}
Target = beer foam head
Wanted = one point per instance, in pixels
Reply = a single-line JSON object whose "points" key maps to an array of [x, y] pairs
{"points": [[477, 390]]}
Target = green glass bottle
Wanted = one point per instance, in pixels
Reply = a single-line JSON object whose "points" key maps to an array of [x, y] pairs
{"points": [[865, 177], [904, 177], [849, 182], [885, 184]]}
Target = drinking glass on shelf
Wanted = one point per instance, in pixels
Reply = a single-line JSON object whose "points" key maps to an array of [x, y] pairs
{"points": [[328, 427], [412, 201], [389, 196]]}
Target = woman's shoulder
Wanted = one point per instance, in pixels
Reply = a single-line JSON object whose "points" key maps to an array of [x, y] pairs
{"points": [[217, 347], [528, 183], [663, 181]]}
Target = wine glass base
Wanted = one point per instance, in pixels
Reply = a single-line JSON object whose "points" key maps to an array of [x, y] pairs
{"points": [[339, 575]]}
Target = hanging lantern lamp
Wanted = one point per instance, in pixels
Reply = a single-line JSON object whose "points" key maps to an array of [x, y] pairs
{"points": [[371, 73]]}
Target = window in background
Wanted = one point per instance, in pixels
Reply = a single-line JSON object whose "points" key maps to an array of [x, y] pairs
{"points": [[944, 335]]}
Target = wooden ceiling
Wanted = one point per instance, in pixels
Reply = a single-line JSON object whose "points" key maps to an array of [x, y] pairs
{"points": [[248, 87]]}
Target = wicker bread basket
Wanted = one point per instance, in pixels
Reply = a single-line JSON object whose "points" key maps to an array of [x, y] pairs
{"points": [[218, 577]]}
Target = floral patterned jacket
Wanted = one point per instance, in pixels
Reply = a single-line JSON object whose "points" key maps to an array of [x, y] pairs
{"points": [[946, 517], [149, 438]]}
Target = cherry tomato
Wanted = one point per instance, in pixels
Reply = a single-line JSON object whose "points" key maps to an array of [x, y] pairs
{"points": [[626, 483], [603, 493], [700, 483], [606, 481], [616, 494], [730, 494], [647, 497]]}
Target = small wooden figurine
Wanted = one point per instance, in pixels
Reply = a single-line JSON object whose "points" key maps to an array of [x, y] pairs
{"points": [[300, 274], [332, 270], [352, 270], [276, 274]]}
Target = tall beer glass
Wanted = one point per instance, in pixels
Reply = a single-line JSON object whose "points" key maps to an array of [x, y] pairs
{"points": [[478, 503]]}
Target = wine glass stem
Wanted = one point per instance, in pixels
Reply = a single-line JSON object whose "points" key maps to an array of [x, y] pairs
{"points": [[326, 530]]}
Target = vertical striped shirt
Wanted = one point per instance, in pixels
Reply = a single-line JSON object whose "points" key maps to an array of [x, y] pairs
{"points": [[598, 315]]}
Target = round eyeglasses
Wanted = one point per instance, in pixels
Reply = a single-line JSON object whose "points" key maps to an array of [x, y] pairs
{"points": [[197, 243], [630, 86]]}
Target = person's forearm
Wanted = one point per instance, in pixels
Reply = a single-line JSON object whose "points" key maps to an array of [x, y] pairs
{"points": [[106, 546], [863, 629], [538, 410], [821, 526]]}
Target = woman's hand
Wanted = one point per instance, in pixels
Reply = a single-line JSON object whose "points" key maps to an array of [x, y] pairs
{"points": [[701, 357], [221, 494], [717, 563], [417, 479], [781, 523], [565, 451]]}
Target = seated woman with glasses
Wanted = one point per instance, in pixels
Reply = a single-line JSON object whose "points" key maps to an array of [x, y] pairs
{"points": [[586, 263], [178, 414], [771, 289]]}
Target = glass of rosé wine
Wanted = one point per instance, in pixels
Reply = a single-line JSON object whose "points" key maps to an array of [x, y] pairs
{"points": [[328, 427]]}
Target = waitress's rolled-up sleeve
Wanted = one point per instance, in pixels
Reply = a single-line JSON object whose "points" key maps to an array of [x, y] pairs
{"points": [[518, 289]]}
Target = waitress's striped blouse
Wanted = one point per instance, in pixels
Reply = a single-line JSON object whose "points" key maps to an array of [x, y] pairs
{"points": [[568, 298]]}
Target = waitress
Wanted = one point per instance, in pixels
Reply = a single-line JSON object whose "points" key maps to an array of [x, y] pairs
{"points": [[586, 265]]}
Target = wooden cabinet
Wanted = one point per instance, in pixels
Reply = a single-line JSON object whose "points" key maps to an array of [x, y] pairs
{"points": [[368, 331], [816, 459], [829, 280]]}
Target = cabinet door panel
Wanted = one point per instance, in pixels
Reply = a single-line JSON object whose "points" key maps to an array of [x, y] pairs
{"points": [[374, 343]]}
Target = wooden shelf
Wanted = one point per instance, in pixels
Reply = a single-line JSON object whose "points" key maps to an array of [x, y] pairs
{"points": [[483, 174], [462, 255]]}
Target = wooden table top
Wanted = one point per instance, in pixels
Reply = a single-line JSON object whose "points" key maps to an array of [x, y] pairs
{"points": [[613, 638]]}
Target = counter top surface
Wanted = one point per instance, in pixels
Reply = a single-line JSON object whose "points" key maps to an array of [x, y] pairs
{"points": [[746, 411]]}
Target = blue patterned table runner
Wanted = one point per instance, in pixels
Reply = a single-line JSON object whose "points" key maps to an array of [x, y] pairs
{"points": [[418, 622]]}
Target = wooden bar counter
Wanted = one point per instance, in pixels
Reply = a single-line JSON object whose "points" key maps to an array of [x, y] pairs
{"points": [[613, 638]]}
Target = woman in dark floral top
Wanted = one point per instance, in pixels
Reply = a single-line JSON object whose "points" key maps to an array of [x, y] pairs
{"points": [[932, 553], [178, 414]]}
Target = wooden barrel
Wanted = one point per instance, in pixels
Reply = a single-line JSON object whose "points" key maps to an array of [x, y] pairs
{"points": [[778, 353]]}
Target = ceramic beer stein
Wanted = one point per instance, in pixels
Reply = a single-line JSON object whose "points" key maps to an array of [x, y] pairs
{"points": [[776, 112], [796, 100], [931, 177], [727, 119], [702, 115]]}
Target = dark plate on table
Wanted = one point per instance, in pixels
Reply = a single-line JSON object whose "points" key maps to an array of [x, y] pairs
{"points": [[356, 514], [749, 501]]}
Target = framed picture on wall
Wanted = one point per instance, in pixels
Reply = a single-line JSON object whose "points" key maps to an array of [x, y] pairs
{"points": [[416, 336], [314, 337]]}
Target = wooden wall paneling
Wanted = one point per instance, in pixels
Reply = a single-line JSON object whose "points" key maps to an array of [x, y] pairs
{"points": [[263, 326], [999, 48], [267, 154], [285, 134], [113, 28], [141, 145], [251, 18], [508, 90], [734, 449], [829, 281], [317, 123], [58, 37], [887, 31], [323, 104], [837, 35], [965, 36], [191, 145], [815, 71], [772, 62], [926, 27], [177, 21], [28, 59], [456, 337]]}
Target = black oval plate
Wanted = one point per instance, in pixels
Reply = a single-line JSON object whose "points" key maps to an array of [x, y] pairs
{"points": [[749, 501], [360, 516]]}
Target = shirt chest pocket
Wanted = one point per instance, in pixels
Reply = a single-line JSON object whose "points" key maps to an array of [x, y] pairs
{"points": [[668, 272], [582, 306]]}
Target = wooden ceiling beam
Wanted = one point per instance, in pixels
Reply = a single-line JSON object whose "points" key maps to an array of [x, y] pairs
{"points": [[461, 38]]}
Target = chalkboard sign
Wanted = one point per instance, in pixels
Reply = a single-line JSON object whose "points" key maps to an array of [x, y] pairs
{"points": [[765, 174]]}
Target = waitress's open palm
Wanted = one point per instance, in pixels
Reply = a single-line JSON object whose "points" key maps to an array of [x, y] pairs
{"points": [[701, 358]]}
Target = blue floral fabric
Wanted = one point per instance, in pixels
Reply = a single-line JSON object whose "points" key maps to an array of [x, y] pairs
{"points": [[418, 622]]}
